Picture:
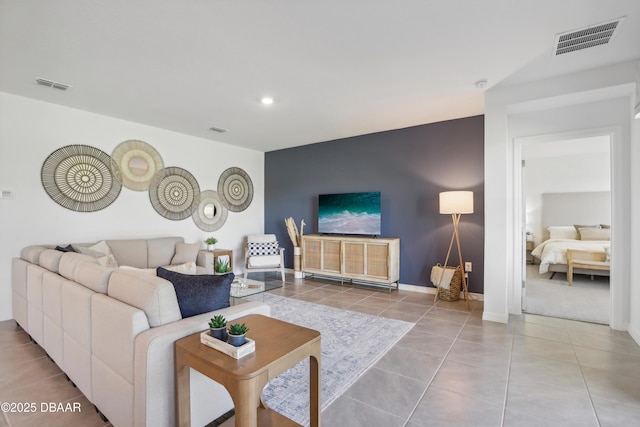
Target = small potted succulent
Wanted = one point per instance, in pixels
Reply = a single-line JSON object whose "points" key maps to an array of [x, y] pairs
{"points": [[218, 327], [211, 243], [222, 266], [237, 334]]}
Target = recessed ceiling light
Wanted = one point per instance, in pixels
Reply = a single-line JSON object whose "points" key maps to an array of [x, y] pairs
{"points": [[480, 83], [267, 100]]}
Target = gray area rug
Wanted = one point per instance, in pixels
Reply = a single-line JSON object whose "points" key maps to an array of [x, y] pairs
{"points": [[351, 343], [587, 300]]}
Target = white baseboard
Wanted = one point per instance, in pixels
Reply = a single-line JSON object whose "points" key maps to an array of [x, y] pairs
{"points": [[495, 317], [635, 334]]}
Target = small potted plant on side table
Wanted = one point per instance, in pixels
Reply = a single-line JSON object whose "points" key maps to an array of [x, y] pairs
{"points": [[218, 327], [237, 334], [211, 243]]}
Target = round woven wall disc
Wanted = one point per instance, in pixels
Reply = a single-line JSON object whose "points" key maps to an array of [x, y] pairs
{"points": [[209, 214], [236, 189], [174, 192], [138, 162], [81, 178]]}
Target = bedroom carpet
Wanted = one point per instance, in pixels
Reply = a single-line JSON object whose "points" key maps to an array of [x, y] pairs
{"points": [[587, 300], [352, 342]]}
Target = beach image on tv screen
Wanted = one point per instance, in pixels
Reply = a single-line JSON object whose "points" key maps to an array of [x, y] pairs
{"points": [[349, 213]]}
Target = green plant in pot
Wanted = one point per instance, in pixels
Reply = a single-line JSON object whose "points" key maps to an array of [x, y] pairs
{"points": [[211, 243], [218, 327], [237, 334], [222, 266]]}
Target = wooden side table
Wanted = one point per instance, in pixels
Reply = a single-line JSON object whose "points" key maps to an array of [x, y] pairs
{"points": [[279, 346], [529, 248], [208, 258]]}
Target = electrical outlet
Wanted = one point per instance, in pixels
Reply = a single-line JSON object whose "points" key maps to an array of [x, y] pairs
{"points": [[468, 267]]}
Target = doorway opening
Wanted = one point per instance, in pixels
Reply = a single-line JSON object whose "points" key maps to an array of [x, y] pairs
{"points": [[566, 188]]}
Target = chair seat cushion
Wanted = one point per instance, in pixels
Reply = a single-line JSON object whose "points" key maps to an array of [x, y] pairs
{"points": [[199, 293], [264, 261]]}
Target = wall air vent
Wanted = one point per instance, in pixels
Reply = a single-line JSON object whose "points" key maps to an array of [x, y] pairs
{"points": [[215, 129], [52, 84], [584, 38]]}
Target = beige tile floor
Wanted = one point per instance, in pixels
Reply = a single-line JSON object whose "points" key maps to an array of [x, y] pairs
{"points": [[451, 369]]}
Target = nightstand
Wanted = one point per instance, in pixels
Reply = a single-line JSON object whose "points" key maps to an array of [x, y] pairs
{"points": [[529, 247]]}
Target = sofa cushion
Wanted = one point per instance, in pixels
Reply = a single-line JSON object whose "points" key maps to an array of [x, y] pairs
{"points": [[185, 252], [70, 261], [101, 251], [32, 253], [160, 251], [93, 276], [50, 259], [153, 295], [264, 261], [200, 293]]}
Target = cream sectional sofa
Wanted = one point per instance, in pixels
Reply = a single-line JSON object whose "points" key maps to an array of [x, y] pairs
{"points": [[111, 330]]}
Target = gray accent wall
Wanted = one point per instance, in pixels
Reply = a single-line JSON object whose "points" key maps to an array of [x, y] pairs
{"points": [[410, 167]]}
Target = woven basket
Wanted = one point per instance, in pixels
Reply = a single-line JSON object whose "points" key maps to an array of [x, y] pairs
{"points": [[453, 293]]}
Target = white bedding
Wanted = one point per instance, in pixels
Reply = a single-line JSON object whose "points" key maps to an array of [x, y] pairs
{"points": [[554, 251]]}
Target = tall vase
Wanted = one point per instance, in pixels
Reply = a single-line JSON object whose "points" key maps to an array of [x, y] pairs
{"points": [[297, 262]]}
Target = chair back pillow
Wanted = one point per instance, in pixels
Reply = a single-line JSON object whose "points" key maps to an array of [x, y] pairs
{"points": [[268, 248]]}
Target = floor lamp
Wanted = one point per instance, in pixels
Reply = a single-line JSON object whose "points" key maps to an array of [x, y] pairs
{"points": [[457, 203]]}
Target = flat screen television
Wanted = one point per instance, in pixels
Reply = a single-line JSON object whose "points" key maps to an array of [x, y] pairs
{"points": [[349, 213]]}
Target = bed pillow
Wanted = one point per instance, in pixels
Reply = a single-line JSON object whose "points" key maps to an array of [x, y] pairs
{"points": [[595, 234], [578, 227], [199, 293], [563, 232]]}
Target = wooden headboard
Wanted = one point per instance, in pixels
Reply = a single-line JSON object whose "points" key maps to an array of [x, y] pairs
{"points": [[575, 208]]}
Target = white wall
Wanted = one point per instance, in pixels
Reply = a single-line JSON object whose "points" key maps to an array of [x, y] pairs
{"points": [[30, 130], [599, 98], [567, 173]]}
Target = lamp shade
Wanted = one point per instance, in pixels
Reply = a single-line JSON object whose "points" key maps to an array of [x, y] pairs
{"points": [[459, 202]]}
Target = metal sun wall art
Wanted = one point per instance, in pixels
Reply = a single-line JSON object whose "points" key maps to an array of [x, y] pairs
{"points": [[174, 192], [85, 179], [81, 178], [236, 189], [209, 214], [138, 162]]}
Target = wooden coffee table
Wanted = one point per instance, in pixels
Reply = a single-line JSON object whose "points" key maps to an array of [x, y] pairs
{"points": [[279, 346]]}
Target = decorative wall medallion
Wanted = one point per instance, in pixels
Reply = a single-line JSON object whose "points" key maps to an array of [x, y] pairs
{"points": [[138, 163], [209, 214], [236, 189], [174, 192], [81, 178]]}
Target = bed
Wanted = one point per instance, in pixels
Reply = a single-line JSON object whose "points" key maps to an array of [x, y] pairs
{"points": [[552, 253]]}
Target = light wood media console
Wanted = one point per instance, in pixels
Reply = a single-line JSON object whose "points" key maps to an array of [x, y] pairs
{"points": [[360, 259]]}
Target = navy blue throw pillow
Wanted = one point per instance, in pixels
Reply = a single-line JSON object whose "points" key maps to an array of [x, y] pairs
{"points": [[199, 293], [67, 248]]}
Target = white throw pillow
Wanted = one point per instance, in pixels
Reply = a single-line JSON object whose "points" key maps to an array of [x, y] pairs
{"points": [[186, 268], [101, 252]]}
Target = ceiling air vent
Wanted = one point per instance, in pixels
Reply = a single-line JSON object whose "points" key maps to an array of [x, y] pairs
{"points": [[52, 84], [215, 129], [584, 38]]}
